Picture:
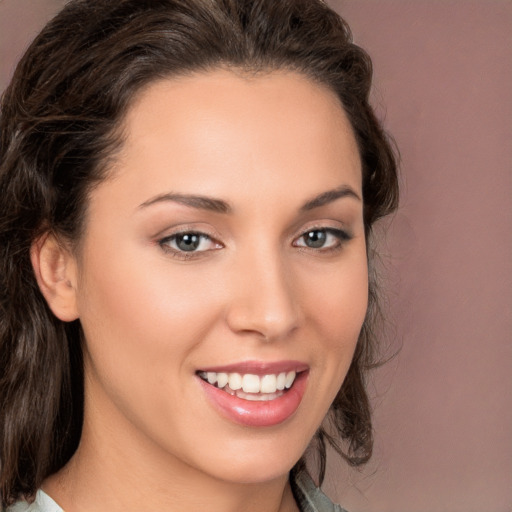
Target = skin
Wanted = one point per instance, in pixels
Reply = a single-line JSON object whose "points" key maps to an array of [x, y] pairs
{"points": [[265, 145]]}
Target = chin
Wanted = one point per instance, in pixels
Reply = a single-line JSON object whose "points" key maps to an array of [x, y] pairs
{"points": [[255, 460], [256, 471]]}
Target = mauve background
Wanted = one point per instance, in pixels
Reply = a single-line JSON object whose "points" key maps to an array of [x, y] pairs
{"points": [[443, 406]]}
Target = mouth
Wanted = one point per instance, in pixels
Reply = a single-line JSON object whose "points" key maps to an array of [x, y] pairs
{"points": [[253, 394], [250, 386]]}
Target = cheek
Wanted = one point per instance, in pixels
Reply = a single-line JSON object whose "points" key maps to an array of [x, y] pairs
{"points": [[137, 313], [339, 305], [143, 325], [338, 311]]}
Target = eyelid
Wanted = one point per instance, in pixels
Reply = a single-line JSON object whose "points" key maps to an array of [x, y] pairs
{"points": [[331, 225], [163, 242], [342, 235], [170, 230]]}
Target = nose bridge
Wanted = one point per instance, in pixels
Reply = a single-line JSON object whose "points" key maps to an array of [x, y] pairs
{"points": [[263, 301]]}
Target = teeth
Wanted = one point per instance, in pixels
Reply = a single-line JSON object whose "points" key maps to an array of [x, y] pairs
{"points": [[250, 383], [290, 377], [222, 379], [258, 397], [235, 381], [268, 384], [281, 381]]}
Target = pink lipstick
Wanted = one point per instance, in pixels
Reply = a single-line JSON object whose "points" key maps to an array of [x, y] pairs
{"points": [[253, 393]]}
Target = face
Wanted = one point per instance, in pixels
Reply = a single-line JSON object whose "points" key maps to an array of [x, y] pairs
{"points": [[222, 277]]}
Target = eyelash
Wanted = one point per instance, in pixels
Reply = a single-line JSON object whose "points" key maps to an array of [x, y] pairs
{"points": [[340, 236], [164, 243]]}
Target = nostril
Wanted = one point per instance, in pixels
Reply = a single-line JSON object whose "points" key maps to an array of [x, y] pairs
{"points": [[266, 320]]}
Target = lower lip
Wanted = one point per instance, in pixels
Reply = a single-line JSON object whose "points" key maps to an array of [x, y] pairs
{"points": [[257, 413]]}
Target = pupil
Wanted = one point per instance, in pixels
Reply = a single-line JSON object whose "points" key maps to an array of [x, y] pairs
{"points": [[188, 242], [316, 239]]}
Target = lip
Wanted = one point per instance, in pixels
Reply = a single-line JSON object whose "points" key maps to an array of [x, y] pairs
{"points": [[256, 413], [259, 367]]}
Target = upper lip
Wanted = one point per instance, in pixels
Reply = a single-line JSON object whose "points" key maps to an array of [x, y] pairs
{"points": [[258, 367]]}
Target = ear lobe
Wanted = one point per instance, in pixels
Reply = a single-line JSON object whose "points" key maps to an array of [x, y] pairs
{"points": [[56, 273]]}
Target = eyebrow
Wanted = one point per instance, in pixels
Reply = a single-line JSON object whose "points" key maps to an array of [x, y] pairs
{"points": [[328, 197], [220, 206], [194, 201]]}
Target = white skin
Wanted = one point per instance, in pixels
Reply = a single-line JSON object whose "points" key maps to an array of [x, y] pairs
{"points": [[253, 290]]}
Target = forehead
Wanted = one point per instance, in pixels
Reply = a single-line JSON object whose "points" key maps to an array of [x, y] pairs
{"points": [[207, 130]]}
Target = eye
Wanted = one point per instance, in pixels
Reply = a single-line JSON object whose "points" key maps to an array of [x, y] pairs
{"points": [[188, 242], [324, 238]]}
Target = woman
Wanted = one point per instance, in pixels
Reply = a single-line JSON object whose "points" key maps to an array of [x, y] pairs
{"points": [[189, 189]]}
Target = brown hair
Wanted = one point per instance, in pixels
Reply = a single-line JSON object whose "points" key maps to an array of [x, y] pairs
{"points": [[57, 131]]}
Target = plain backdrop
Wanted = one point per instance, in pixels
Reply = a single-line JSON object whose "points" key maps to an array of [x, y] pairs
{"points": [[443, 406]]}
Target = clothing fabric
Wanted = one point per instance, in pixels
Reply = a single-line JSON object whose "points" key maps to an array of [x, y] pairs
{"points": [[309, 499], [42, 503]]}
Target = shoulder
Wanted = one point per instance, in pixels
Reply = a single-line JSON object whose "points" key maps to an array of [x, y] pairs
{"points": [[309, 497], [42, 503]]}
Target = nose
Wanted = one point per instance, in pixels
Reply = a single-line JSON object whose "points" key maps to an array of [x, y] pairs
{"points": [[264, 302]]}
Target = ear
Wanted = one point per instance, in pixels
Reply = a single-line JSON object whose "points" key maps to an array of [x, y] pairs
{"points": [[56, 275]]}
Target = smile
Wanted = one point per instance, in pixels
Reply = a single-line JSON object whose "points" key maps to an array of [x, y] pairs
{"points": [[255, 394], [249, 386]]}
